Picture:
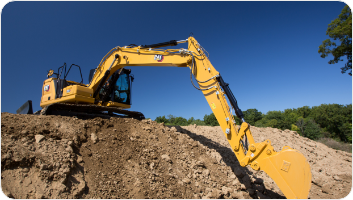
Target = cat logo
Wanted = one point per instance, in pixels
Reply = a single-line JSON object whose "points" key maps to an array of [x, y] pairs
{"points": [[46, 88], [159, 58], [213, 105]]}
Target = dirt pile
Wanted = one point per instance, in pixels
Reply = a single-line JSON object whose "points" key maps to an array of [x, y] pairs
{"points": [[331, 169], [66, 157]]}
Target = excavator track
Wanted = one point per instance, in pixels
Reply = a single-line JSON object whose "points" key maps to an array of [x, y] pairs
{"points": [[89, 111]]}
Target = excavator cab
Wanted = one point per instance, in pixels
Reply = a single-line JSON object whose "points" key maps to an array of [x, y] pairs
{"points": [[118, 88], [121, 91]]}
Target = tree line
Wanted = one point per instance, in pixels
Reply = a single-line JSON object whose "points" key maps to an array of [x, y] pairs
{"points": [[327, 120]]}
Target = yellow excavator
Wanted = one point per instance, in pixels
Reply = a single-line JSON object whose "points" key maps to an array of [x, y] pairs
{"points": [[108, 94]]}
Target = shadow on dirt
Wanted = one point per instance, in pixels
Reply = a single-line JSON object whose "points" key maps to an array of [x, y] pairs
{"points": [[229, 158]]}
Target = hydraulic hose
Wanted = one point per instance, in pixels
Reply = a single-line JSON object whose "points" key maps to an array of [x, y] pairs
{"points": [[192, 67]]}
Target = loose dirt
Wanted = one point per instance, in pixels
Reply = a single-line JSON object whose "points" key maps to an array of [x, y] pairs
{"points": [[66, 157]]}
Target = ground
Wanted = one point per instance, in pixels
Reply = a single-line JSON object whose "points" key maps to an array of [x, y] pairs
{"points": [[67, 157]]}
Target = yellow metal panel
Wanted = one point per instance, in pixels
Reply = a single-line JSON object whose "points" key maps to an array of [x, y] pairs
{"points": [[48, 90], [69, 90], [77, 90], [69, 99], [83, 91]]}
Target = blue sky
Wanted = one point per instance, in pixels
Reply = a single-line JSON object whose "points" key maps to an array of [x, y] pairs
{"points": [[266, 51]]}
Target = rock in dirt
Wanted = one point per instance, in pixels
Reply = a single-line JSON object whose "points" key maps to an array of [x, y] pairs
{"points": [[39, 138], [94, 138], [166, 158]]}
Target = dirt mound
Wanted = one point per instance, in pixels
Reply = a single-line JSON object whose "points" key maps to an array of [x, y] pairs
{"points": [[66, 157], [331, 169]]}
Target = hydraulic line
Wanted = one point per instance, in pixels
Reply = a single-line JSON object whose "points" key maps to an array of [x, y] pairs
{"points": [[192, 67]]}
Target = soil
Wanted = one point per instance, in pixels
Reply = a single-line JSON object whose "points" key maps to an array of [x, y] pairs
{"points": [[66, 157]]}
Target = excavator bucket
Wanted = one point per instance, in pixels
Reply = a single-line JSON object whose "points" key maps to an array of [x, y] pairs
{"points": [[290, 170], [26, 108]]}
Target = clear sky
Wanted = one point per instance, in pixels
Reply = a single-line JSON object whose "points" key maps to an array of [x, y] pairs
{"points": [[266, 51]]}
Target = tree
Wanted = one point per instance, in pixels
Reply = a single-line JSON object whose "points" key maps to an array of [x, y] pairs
{"points": [[180, 121], [191, 120], [333, 118], [301, 125], [312, 129], [171, 118], [294, 128], [341, 29], [262, 123], [346, 130], [252, 115], [274, 119], [304, 111], [273, 123], [290, 118], [161, 119], [210, 120], [199, 122], [308, 128]]}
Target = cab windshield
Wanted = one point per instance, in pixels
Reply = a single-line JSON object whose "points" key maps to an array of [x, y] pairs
{"points": [[121, 92]]}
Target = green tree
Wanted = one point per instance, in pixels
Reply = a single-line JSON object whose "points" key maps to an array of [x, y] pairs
{"points": [[199, 122], [332, 118], [303, 111], [210, 120], [312, 130], [171, 118], [308, 128], [294, 128], [252, 115], [341, 29], [262, 123], [161, 119], [191, 120], [272, 123], [274, 119], [290, 118], [301, 126], [180, 121]]}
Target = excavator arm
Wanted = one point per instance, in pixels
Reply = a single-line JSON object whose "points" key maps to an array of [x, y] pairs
{"points": [[288, 168]]}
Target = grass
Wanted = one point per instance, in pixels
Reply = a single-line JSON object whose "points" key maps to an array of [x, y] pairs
{"points": [[336, 145]]}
